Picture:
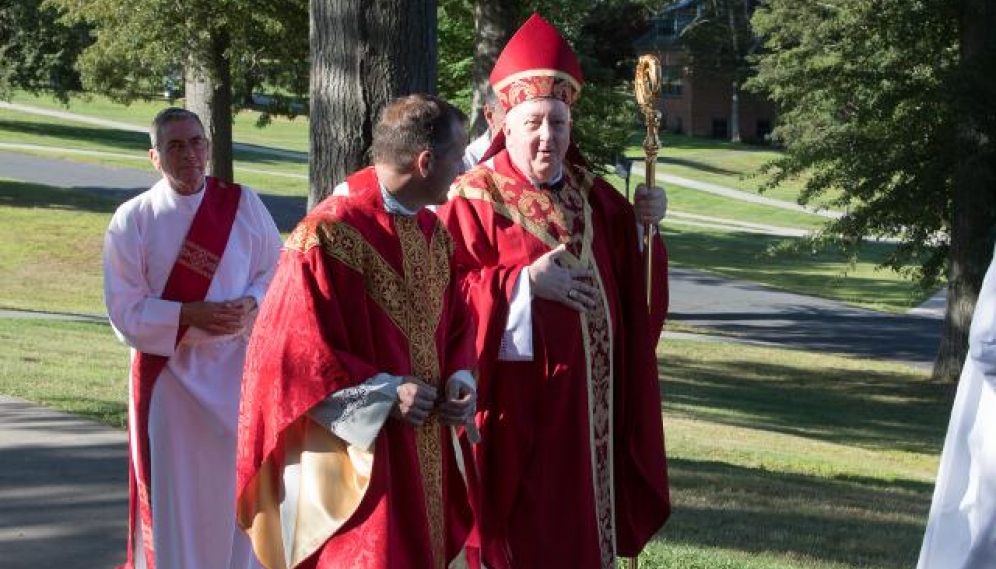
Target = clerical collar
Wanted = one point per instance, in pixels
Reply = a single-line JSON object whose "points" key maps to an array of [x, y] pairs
{"points": [[392, 205], [554, 184]]}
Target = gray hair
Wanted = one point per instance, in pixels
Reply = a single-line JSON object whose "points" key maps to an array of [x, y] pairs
{"points": [[168, 115]]}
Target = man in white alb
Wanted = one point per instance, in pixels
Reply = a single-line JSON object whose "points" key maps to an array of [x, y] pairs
{"points": [[961, 530], [186, 263]]}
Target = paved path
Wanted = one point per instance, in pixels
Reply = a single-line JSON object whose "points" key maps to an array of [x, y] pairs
{"points": [[63, 490], [119, 183], [767, 315]]}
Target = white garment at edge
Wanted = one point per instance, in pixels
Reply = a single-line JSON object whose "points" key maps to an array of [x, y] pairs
{"points": [[961, 530], [195, 404], [476, 149]]}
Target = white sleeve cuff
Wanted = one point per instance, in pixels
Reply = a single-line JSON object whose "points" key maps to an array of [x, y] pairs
{"points": [[517, 340], [465, 377], [357, 414]]}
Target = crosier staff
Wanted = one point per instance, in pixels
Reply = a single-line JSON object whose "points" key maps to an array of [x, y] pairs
{"points": [[647, 86]]}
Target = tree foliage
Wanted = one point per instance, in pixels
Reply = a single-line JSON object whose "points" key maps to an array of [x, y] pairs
{"points": [[140, 44], [863, 89], [605, 114], [879, 108], [37, 51]]}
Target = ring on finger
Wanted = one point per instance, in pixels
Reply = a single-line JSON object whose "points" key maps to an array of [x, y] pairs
{"points": [[572, 293]]}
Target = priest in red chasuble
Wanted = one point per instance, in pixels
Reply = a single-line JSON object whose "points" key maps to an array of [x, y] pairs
{"points": [[572, 458], [358, 377]]}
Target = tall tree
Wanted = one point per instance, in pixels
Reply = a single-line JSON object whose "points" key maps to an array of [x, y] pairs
{"points": [[973, 211], [363, 54], [140, 43], [721, 41], [494, 24], [880, 111], [37, 51]]}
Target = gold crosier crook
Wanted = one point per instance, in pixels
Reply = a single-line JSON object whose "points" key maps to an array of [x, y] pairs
{"points": [[647, 85]]}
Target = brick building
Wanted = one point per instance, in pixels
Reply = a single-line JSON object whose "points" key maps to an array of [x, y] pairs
{"points": [[696, 103]]}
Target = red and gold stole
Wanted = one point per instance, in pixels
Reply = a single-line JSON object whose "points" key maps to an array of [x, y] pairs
{"points": [[188, 281], [565, 217]]}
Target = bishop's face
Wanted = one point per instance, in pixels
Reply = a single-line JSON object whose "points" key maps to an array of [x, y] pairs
{"points": [[181, 155], [537, 134]]}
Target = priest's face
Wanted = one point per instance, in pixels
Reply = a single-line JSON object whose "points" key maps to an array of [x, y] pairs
{"points": [[447, 163], [181, 155], [537, 134]]}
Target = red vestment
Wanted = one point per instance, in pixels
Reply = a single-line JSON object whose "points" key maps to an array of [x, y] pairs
{"points": [[358, 291], [572, 463]]}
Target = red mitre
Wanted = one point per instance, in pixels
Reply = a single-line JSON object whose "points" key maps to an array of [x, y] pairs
{"points": [[537, 62]]}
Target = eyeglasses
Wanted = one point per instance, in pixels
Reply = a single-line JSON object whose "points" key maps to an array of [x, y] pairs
{"points": [[198, 144]]}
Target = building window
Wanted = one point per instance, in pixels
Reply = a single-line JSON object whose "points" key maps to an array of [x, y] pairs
{"points": [[671, 74]]}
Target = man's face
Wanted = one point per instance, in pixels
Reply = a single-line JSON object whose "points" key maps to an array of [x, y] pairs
{"points": [[181, 155], [494, 114], [447, 165], [537, 134]]}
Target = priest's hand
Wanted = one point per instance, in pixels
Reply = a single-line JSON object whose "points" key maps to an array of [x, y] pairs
{"points": [[460, 404], [552, 281], [416, 400], [218, 318], [649, 204]]}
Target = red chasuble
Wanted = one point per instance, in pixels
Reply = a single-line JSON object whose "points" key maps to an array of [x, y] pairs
{"points": [[358, 291], [188, 281], [572, 453]]}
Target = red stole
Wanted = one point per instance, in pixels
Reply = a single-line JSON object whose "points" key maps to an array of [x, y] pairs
{"points": [[188, 281]]}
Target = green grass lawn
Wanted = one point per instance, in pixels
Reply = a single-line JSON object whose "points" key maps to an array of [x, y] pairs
{"points": [[784, 459], [50, 248], [827, 274], [77, 367], [686, 200], [717, 162], [283, 133], [130, 150], [778, 459]]}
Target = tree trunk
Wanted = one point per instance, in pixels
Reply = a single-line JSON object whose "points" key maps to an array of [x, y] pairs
{"points": [[735, 113], [974, 201], [494, 23], [209, 94], [363, 54]]}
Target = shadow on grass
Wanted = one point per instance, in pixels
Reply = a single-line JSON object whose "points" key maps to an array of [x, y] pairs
{"points": [[852, 521], [27, 195], [122, 139], [875, 410], [690, 163]]}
